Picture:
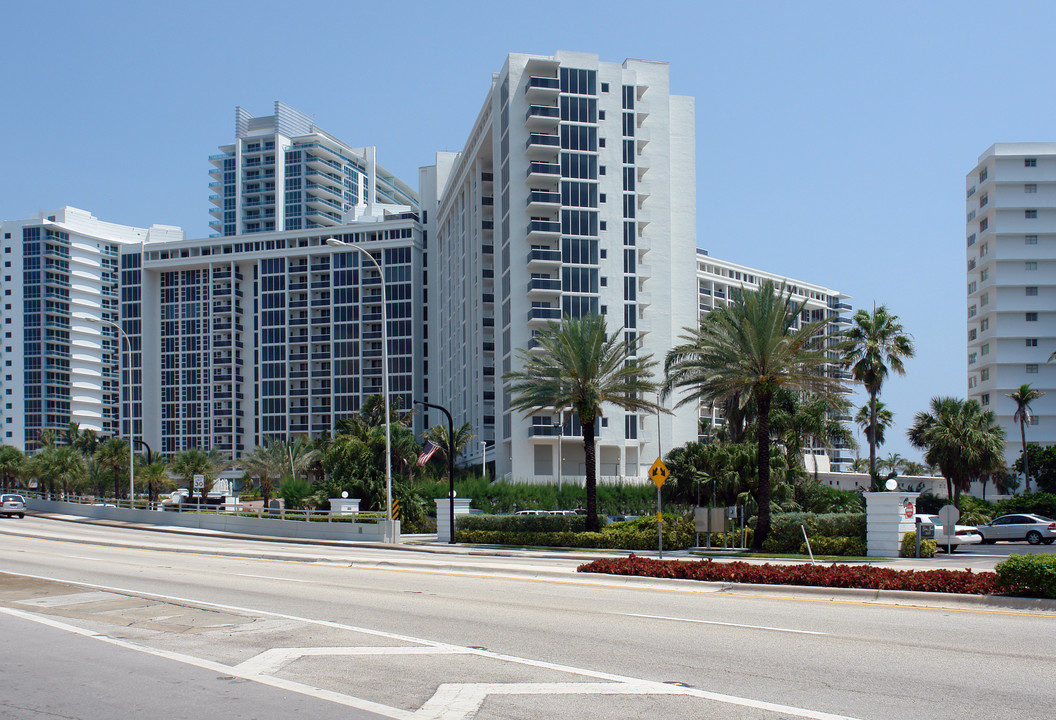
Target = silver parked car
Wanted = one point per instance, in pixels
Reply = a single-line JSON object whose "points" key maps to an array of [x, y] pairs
{"points": [[1020, 526], [13, 505]]}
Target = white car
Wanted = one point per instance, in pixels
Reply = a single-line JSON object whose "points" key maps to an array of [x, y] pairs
{"points": [[13, 505], [962, 534]]}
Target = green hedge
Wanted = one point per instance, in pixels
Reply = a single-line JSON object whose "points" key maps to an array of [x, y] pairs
{"points": [[1030, 575], [909, 546], [786, 534], [522, 523], [841, 545], [638, 534]]}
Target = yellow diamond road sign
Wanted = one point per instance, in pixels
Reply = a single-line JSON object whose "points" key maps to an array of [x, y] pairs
{"points": [[658, 473]]}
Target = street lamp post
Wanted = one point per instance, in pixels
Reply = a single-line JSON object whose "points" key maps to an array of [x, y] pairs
{"points": [[334, 242], [131, 441], [450, 463], [560, 437], [484, 459]]}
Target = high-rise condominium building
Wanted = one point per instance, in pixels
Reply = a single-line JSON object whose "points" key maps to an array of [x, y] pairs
{"points": [[718, 281], [1011, 249], [283, 173], [574, 194], [70, 317]]}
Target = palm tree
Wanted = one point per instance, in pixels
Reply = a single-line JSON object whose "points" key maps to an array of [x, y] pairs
{"points": [[113, 455], [912, 467], [11, 459], [959, 437], [577, 366], [810, 422], [153, 471], [438, 435], [267, 463], [1023, 397], [884, 420], [893, 463], [195, 461], [875, 343], [860, 465], [748, 350]]}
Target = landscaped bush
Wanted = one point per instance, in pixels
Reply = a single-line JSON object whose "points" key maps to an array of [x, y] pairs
{"points": [[522, 523], [567, 531], [909, 546], [1030, 575], [840, 545], [1037, 503], [786, 534], [841, 576]]}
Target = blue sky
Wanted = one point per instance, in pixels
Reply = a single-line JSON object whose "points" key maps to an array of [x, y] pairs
{"points": [[832, 138]]}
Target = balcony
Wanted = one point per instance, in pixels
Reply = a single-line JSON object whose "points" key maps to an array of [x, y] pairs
{"points": [[542, 117], [542, 146], [543, 230], [644, 190], [539, 258], [543, 201], [544, 286], [544, 172], [543, 314], [542, 89]]}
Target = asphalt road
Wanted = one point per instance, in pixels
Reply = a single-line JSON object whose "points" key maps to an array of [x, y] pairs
{"points": [[251, 624]]}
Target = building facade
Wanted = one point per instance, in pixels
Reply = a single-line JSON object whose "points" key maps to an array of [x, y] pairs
{"points": [[283, 173], [718, 280], [70, 319], [1011, 285], [575, 193]]}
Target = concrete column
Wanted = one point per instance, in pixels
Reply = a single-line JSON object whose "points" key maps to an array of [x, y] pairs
{"points": [[443, 515], [886, 521]]}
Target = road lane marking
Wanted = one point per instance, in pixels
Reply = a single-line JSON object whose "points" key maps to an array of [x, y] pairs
{"points": [[220, 668], [465, 690], [271, 661], [271, 577], [726, 624]]}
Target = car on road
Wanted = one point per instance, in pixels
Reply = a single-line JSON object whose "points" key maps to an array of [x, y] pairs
{"points": [[962, 534], [13, 505], [1034, 529]]}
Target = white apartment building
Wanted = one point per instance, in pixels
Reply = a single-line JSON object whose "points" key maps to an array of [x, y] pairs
{"points": [[718, 279], [1011, 278], [575, 193], [64, 358], [283, 173]]}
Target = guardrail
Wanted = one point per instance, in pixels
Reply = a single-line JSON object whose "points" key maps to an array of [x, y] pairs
{"points": [[230, 517]]}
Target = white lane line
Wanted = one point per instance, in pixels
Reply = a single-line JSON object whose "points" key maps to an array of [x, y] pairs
{"points": [[725, 624], [271, 661], [661, 688], [270, 577], [221, 669]]}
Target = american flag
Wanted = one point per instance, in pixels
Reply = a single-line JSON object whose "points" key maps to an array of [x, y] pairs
{"points": [[427, 452]]}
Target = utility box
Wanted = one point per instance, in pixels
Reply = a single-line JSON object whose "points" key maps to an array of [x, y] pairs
{"points": [[709, 519]]}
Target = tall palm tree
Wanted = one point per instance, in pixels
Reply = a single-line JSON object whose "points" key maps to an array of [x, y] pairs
{"points": [[113, 455], [959, 437], [875, 344], [577, 365], [1023, 397], [884, 420], [748, 350], [808, 422]]}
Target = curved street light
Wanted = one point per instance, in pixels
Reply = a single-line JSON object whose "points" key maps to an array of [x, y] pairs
{"points": [[335, 243]]}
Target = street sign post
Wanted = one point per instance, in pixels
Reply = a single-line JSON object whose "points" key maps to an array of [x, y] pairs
{"points": [[658, 474], [949, 514]]}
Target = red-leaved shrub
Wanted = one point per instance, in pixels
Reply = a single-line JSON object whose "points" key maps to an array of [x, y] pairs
{"points": [[839, 576]]}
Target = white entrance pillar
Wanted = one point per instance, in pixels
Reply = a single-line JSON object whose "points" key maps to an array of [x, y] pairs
{"points": [[888, 516]]}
